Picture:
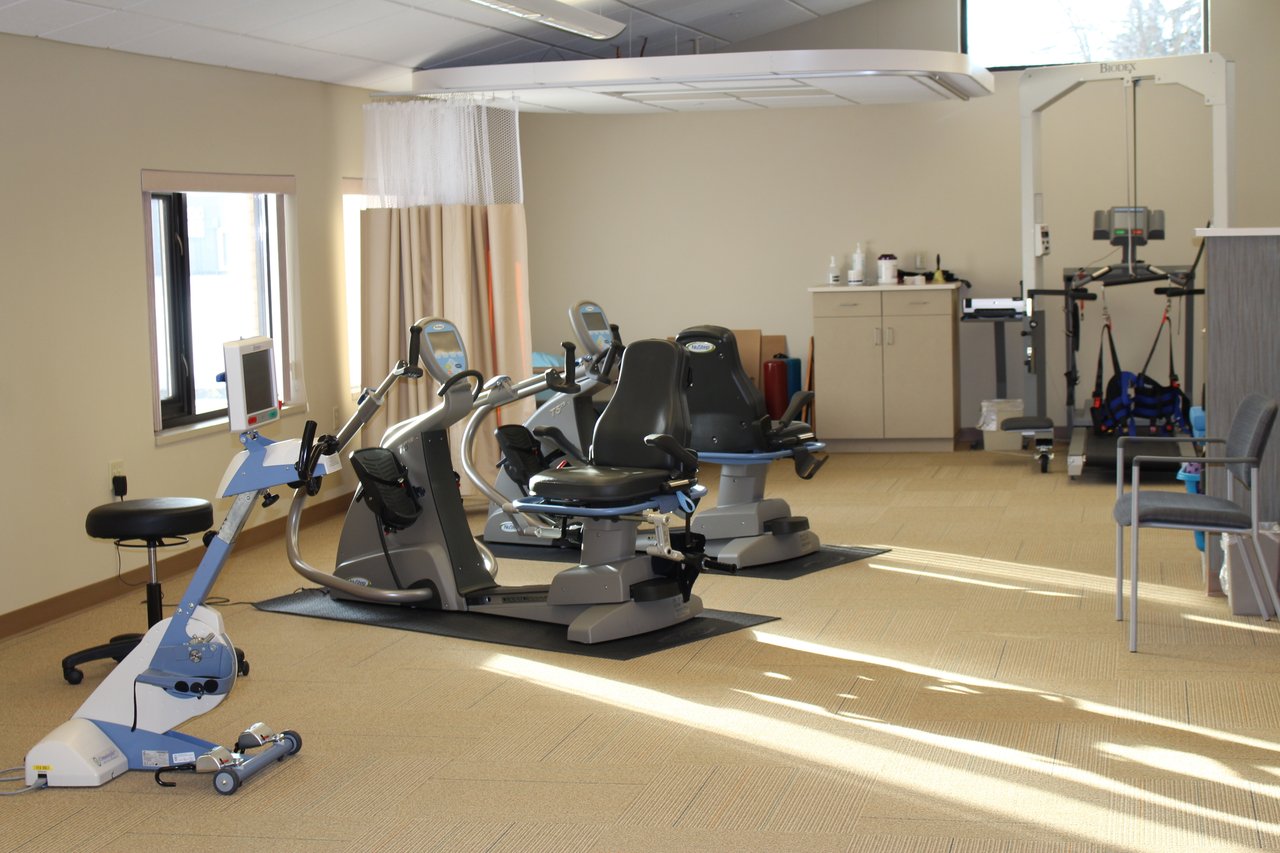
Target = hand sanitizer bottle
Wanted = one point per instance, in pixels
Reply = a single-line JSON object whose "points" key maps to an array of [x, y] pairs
{"points": [[833, 272]]}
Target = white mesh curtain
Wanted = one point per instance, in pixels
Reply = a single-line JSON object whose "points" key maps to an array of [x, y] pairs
{"points": [[445, 237]]}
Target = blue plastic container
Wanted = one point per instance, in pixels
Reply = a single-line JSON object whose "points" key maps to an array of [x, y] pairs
{"points": [[1191, 472]]}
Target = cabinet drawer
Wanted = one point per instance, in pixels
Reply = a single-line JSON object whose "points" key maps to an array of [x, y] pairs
{"points": [[918, 302], [851, 304]]}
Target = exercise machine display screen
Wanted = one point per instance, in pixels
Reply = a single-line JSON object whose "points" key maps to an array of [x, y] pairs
{"points": [[591, 327], [251, 383], [446, 355]]}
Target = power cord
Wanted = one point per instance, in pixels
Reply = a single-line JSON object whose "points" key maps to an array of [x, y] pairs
{"points": [[43, 783]]}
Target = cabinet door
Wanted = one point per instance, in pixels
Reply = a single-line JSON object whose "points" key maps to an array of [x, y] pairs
{"points": [[918, 377], [848, 379]]}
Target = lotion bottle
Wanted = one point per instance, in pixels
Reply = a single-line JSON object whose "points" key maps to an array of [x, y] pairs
{"points": [[859, 260]]}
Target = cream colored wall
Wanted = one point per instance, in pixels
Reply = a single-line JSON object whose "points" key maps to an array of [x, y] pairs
{"points": [[78, 125], [728, 217]]}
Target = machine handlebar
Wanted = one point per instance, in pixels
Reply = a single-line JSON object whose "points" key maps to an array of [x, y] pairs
{"points": [[563, 383], [413, 368], [475, 375]]}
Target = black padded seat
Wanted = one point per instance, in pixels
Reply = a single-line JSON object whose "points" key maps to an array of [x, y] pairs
{"points": [[624, 467], [589, 484], [149, 519], [1029, 423]]}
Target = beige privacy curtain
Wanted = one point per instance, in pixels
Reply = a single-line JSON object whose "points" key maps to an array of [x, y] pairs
{"points": [[462, 256]]}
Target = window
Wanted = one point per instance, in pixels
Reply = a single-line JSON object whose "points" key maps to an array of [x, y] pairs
{"points": [[217, 274], [1021, 33]]}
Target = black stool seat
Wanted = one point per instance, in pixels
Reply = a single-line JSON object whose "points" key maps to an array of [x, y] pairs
{"points": [[149, 519], [1026, 424]]}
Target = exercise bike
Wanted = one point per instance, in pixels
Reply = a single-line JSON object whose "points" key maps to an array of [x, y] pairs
{"points": [[565, 421], [185, 665], [406, 539]]}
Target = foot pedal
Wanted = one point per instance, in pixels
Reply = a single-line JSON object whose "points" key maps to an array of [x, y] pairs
{"points": [[786, 524]]}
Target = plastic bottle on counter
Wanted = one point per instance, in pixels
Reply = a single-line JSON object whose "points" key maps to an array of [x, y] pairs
{"points": [[858, 262], [888, 269], [833, 272]]}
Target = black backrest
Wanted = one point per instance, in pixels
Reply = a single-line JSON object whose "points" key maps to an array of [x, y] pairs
{"points": [[649, 398], [728, 410]]}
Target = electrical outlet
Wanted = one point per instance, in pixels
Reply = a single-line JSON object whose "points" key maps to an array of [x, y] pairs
{"points": [[1042, 240], [116, 467]]}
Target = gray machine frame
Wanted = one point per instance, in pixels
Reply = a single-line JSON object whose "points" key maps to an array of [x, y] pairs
{"points": [[439, 565]]}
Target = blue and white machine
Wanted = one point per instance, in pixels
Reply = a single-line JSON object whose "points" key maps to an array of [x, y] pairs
{"points": [[185, 665]]}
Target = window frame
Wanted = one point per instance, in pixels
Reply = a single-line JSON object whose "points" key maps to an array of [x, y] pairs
{"points": [[176, 413], [964, 41]]}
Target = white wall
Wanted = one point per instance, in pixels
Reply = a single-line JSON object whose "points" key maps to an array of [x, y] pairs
{"points": [[728, 217], [668, 220], [77, 126]]}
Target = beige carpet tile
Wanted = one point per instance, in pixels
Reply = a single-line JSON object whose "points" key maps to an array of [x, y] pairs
{"points": [[969, 691], [663, 801], [1177, 813]]}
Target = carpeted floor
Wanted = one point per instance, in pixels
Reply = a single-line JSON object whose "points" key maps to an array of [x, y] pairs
{"points": [[968, 691]]}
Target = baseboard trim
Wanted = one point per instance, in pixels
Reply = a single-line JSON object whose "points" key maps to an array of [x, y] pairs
{"points": [[60, 606]]}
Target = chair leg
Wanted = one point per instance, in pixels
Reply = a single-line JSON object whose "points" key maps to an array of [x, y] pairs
{"points": [[1119, 573], [1133, 588], [1254, 569], [1266, 576]]}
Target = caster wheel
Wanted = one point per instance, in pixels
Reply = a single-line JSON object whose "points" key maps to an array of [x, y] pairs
{"points": [[1044, 464], [293, 739], [242, 663], [73, 676], [225, 782]]}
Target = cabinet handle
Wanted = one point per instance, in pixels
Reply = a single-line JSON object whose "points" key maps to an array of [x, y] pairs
{"points": [[888, 335], [875, 337], [849, 304]]}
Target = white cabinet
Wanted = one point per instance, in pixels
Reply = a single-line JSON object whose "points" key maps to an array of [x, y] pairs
{"points": [[885, 367]]}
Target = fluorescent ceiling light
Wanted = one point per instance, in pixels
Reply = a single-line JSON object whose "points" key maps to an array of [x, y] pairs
{"points": [[562, 16], [643, 84]]}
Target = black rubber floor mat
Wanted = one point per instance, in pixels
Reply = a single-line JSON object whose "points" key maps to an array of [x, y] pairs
{"points": [[485, 628]]}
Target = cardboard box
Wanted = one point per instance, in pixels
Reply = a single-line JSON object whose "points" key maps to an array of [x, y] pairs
{"points": [[755, 348], [749, 351]]}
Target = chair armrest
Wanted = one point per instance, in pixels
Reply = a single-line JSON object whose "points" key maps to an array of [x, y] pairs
{"points": [[687, 458], [1137, 461], [798, 401], [1125, 439], [562, 443]]}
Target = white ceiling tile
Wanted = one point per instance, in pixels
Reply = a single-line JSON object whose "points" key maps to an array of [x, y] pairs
{"points": [[328, 20], [198, 12], [403, 38], [375, 44], [41, 17], [110, 30]]}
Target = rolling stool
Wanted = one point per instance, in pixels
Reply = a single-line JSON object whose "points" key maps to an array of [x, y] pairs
{"points": [[1039, 430], [151, 522]]}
